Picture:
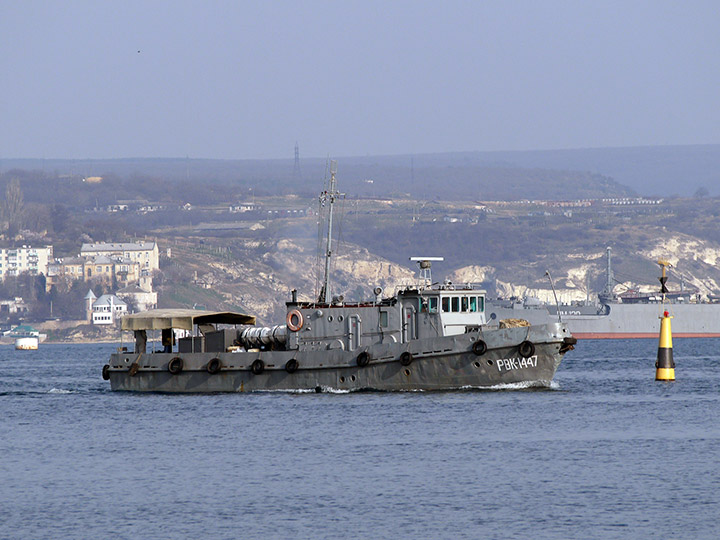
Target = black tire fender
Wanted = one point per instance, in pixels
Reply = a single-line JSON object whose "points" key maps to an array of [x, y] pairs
{"points": [[406, 358], [291, 365], [526, 349], [106, 372], [175, 365], [257, 367], [479, 347], [363, 359], [214, 366]]}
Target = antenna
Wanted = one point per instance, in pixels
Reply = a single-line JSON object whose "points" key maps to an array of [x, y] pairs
{"points": [[297, 175], [328, 196], [607, 294], [547, 273], [425, 265]]}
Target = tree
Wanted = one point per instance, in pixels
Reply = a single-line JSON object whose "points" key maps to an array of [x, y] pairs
{"points": [[60, 218], [12, 208]]}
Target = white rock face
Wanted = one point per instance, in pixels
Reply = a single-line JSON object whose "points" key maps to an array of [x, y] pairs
{"points": [[472, 274], [565, 296], [682, 247]]}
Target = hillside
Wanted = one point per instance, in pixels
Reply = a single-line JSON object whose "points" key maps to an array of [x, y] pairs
{"points": [[213, 181], [647, 170], [508, 251]]}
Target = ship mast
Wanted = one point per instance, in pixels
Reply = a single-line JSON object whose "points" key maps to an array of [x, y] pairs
{"points": [[607, 293], [328, 197]]}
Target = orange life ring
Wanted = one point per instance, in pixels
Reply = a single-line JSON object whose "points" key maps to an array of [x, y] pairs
{"points": [[291, 317]]}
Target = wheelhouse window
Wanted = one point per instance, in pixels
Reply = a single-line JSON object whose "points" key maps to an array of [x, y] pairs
{"points": [[383, 319], [464, 303], [445, 304], [455, 302], [433, 304]]}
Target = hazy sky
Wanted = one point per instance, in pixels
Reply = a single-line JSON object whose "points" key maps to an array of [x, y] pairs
{"points": [[89, 79]]}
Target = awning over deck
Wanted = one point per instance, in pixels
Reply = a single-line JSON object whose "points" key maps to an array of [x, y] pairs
{"points": [[183, 319]]}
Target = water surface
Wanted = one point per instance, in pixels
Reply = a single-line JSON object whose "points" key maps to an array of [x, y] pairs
{"points": [[608, 452]]}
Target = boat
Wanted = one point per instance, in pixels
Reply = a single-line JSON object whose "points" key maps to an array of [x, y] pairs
{"points": [[26, 343], [625, 316], [26, 337], [423, 337]]}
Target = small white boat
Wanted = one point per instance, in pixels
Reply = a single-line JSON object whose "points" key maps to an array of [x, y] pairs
{"points": [[26, 344]]}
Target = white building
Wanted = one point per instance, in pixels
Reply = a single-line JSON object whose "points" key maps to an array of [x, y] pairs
{"points": [[144, 253], [142, 299], [34, 261], [107, 309]]}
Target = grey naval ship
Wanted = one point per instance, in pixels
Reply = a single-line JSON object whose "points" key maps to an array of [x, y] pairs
{"points": [[424, 337], [624, 316]]}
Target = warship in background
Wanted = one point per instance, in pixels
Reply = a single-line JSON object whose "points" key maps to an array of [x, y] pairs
{"points": [[625, 316]]}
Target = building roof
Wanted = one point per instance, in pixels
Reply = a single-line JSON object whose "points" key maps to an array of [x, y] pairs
{"points": [[102, 259], [22, 330], [132, 289], [108, 299], [90, 295], [74, 260], [120, 246]]}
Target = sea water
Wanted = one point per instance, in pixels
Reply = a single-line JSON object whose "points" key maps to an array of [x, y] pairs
{"points": [[606, 452]]}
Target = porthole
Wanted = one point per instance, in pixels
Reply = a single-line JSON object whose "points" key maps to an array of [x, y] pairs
{"points": [[342, 379], [476, 364], [490, 362], [406, 372], [352, 378], [341, 318], [330, 318]]}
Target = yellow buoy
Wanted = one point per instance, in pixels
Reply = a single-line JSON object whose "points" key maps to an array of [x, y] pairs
{"points": [[665, 366]]}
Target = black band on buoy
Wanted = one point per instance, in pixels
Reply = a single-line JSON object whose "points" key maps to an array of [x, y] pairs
{"points": [[665, 358]]}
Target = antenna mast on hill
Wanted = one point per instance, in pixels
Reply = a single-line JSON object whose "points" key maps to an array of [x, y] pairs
{"points": [[297, 175]]}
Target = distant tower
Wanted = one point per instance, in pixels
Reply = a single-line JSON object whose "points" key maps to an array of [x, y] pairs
{"points": [[89, 299], [297, 175]]}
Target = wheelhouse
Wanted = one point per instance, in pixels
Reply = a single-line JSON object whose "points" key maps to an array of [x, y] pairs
{"points": [[460, 308]]}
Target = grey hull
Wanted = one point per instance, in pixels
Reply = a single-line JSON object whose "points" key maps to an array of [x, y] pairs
{"points": [[624, 320], [440, 363]]}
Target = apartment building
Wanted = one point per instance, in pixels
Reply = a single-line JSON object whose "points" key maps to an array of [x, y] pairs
{"points": [[146, 254], [34, 261]]}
